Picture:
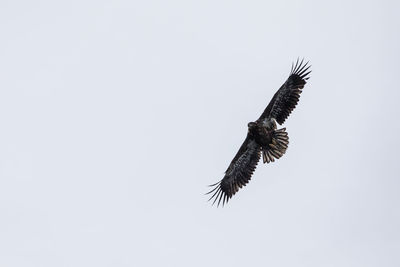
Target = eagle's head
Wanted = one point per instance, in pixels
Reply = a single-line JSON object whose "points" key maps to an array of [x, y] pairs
{"points": [[252, 127]]}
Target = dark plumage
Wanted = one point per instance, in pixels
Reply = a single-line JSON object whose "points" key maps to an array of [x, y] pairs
{"points": [[263, 137]]}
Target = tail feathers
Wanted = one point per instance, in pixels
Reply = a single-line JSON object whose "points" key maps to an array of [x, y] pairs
{"points": [[277, 147]]}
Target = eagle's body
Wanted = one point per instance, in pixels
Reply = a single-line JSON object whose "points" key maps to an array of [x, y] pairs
{"points": [[260, 133], [263, 137]]}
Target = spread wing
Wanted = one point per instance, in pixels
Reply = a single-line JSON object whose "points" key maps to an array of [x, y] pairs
{"points": [[238, 173], [287, 97]]}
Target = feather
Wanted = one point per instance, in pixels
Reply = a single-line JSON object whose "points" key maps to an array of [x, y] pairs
{"points": [[238, 173], [286, 98]]}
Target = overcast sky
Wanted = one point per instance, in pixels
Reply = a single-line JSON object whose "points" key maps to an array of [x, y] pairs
{"points": [[116, 115]]}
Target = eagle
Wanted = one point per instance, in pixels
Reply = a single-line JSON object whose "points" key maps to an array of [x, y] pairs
{"points": [[263, 137]]}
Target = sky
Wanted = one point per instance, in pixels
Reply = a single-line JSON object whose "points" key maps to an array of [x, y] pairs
{"points": [[116, 115]]}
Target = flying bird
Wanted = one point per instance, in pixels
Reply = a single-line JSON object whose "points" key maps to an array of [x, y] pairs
{"points": [[263, 137]]}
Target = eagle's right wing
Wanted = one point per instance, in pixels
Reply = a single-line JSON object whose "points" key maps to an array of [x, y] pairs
{"points": [[239, 171]]}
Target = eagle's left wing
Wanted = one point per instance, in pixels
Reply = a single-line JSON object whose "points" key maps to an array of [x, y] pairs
{"points": [[286, 98], [239, 171]]}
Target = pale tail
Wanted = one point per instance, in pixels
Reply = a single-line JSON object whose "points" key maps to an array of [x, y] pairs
{"points": [[278, 146]]}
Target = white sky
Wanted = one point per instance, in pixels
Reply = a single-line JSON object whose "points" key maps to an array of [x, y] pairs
{"points": [[115, 115]]}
